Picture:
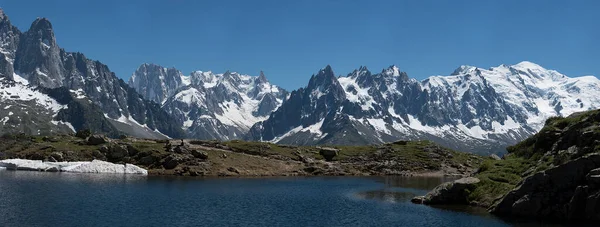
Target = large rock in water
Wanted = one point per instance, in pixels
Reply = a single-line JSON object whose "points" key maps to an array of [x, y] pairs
{"points": [[568, 191], [449, 193]]}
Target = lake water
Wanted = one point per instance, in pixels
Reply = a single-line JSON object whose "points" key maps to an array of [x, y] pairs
{"points": [[66, 199]]}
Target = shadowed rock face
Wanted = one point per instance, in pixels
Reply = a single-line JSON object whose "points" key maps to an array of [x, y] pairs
{"points": [[569, 191]]}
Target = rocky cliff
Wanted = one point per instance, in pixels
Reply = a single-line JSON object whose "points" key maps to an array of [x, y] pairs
{"points": [[553, 174]]}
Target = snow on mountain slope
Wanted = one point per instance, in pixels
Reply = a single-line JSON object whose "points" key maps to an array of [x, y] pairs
{"points": [[474, 109], [40, 62], [25, 109], [210, 105], [157, 83]]}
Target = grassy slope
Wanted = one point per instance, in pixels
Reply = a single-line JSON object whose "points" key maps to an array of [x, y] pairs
{"points": [[535, 154], [263, 157]]}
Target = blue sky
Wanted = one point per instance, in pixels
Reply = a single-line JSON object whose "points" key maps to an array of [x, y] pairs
{"points": [[291, 40]]}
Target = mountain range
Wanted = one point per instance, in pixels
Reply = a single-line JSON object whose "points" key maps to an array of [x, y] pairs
{"points": [[45, 89]]}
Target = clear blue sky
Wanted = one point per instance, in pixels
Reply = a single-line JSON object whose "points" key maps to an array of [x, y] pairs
{"points": [[291, 40]]}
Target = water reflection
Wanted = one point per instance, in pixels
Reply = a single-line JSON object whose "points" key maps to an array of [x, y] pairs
{"points": [[386, 196], [420, 183]]}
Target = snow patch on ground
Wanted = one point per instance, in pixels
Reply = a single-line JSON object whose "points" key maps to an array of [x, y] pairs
{"points": [[95, 166]]}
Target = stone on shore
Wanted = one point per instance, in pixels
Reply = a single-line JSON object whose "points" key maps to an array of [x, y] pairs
{"points": [[449, 193]]}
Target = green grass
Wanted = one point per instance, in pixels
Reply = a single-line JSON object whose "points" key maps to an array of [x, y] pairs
{"points": [[497, 177], [260, 148]]}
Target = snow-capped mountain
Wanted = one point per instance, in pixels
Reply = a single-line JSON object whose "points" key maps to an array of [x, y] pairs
{"points": [[36, 57], [208, 105], [157, 83], [45, 89], [474, 109]]}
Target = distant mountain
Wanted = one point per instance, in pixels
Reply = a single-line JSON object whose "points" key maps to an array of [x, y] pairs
{"points": [[34, 60], [45, 89], [474, 109], [208, 105]]}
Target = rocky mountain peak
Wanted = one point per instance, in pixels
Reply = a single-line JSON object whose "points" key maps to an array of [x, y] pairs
{"points": [[463, 69], [392, 70], [155, 82], [361, 71], [2, 15], [42, 28], [325, 77], [262, 78]]}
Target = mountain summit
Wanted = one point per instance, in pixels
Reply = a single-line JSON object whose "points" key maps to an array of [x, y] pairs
{"points": [[45, 89], [473, 109], [208, 105]]}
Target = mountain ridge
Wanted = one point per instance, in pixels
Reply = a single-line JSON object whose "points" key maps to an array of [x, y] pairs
{"points": [[472, 109], [473, 105]]}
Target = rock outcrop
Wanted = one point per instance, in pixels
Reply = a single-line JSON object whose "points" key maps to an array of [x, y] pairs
{"points": [[568, 191], [554, 174], [454, 192]]}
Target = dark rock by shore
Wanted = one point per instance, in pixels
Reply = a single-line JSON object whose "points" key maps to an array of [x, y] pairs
{"points": [[454, 192]]}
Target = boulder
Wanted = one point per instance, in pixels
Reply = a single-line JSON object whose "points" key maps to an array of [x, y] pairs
{"points": [[147, 160], [233, 169], [328, 152], [131, 150], [454, 192], [173, 160], [418, 199], [97, 140], [200, 154], [83, 133], [495, 157], [181, 149], [117, 152], [56, 156]]}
